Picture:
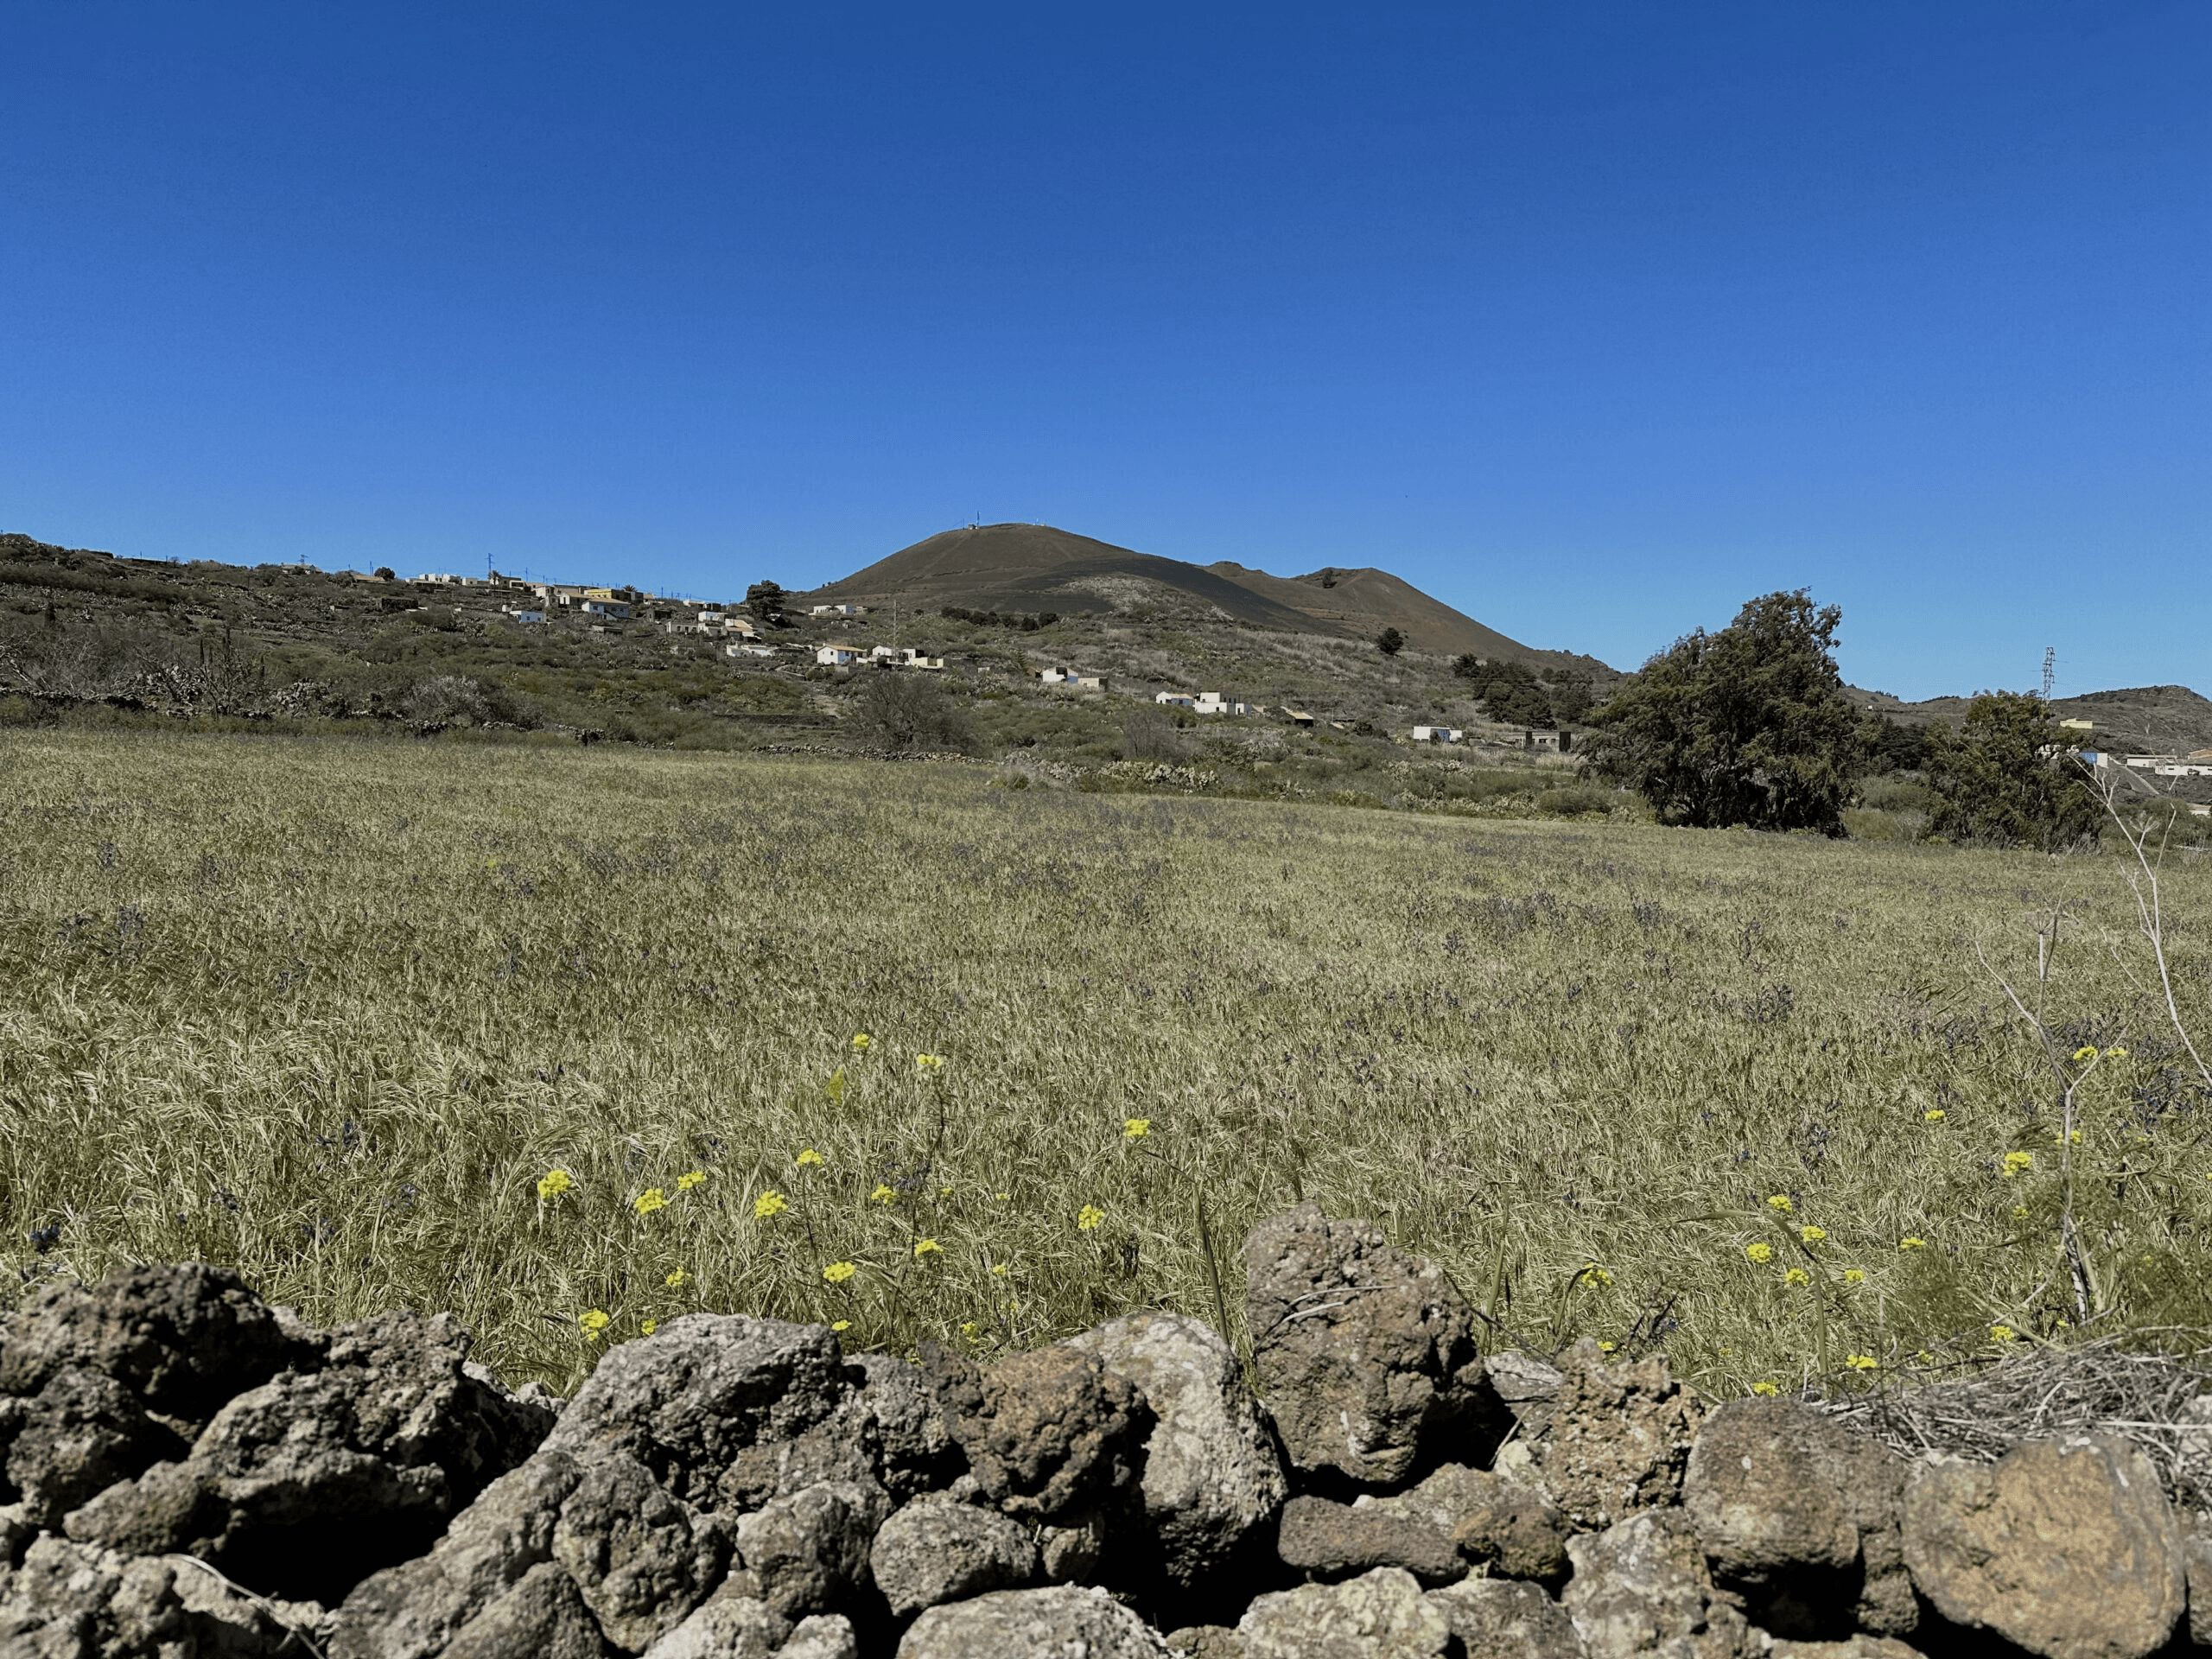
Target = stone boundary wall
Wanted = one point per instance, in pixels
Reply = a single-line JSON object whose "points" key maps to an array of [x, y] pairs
{"points": [[190, 1474]]}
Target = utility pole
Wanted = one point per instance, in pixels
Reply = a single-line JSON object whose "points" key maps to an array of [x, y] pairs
{"points": [[2049, 669]]}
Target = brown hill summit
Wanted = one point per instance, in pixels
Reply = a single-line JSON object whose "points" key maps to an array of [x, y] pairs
{"points": [[1037, 566]]}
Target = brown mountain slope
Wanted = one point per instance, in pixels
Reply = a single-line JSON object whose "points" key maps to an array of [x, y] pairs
{"points": [[1037, 566], [2147, 718], [1367, 600]]}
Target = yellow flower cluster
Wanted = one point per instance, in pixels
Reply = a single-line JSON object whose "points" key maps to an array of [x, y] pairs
{"points": [[1797, 1278], [2017, 1161], [809, 1158], [1090, 1217], [1593, 1277], [1812, 1235], [689, 1179], [592, 1321], [1854, 1276], [1862, 1362], [1933, 1115], [2002, 1333], [837, 1272], [553, 1183], [650, 1326], [1759, 1251], [926, 1062], [771, 1203], [883, 1195], [1780, 1202], [650, 1199], [1912, 1243], [927, 1247], [1766, 1390], [862, 1041], [676, 1281], [1135, 1128]]}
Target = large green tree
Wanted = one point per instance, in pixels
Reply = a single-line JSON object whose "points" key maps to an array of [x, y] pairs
{"points": [[2008, 778], [1746, 726]]}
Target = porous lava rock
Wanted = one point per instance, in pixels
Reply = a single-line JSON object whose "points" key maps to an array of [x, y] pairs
{"points": [[1047, 1434], [2065, 1547], [1802, 1514], [1379, 1615], [1501, 1619], [1212, 1480], [1640, 1587], [937, 1549], [809, 1552], [1620, 1438], [1326, 1540], [183, 1339], [1062, 1622], [1364, 1354]]}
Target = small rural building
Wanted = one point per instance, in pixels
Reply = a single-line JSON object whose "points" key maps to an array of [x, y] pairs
{"points": [[743, 650], [1549, 742], [1437, 733], [836, 656], [1298, 717], [886, 654], [526, 616], [2077, 725], [614, 607], [838, 610], [917, 659], [1176, 700], [1073, 676], [1212, 702]]}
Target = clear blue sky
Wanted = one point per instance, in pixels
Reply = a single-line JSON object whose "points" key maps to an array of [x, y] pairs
{"points": [[1592, 320]]}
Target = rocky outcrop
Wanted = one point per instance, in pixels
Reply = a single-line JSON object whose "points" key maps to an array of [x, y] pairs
{"points": [[732, 1487]]}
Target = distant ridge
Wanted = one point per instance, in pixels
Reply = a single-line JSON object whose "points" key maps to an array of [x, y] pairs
{"points": [[1038, 567]]}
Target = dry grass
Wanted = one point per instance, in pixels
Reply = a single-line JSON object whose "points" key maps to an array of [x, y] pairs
{"points": [[329, 1010]]}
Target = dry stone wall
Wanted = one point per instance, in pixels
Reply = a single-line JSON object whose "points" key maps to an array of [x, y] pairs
{"points": [[186, 1473]]}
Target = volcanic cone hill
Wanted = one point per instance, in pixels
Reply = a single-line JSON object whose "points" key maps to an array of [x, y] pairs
{"points": [[1037, 567]]}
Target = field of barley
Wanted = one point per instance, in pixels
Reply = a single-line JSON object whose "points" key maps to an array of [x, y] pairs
{"points": [[573, 1041]]}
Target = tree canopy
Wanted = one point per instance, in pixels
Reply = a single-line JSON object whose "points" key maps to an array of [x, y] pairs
{"points": [[2008, 779], [1746, 726]]}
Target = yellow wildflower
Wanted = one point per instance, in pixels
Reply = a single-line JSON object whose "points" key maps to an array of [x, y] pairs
{"points": [[1797, 1277], [837, 1272], [2017, 1161], [592, 1321], [971, 1330], [927, 1247], [1605, 1347], [2002, 1333], [2020, 1212], [2072, 1136], [2086, 1052], [650, 1199], [999, 1270], [2115, 1053], [1912, 1243], [650, 1326], [771, 1203], [929, 1063], [883, 1195], [1934, 1115], [1088, 1217], [1812, 1235], [1766, 1390], [861, 1041], [1854, 1275], [809, 1158], [676, 1281], [1003, 1197], [840, 1325], [553, 1183], [1135, 1128], [1593, 1277], [689, 1179], [944, 1192], [1862, 1362], [1780, 1202], [1759, 1251]]}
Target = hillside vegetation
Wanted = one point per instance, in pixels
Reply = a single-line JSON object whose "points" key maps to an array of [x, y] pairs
{"points": [[337, 1013]]}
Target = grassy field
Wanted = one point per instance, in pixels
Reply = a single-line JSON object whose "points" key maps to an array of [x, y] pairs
{"points": [[334, 1011]]}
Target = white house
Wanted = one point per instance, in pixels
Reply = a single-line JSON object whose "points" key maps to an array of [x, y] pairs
{"points": [[743, 650], [1437, 733], [1175, 700], [614, 607], [886, 654], [916, 659], [836, 656], [527, 616], [838, 610], [1212, 702]]}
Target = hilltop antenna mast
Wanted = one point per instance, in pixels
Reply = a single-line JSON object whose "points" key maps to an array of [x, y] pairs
{"points": [[2049, 669]]}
